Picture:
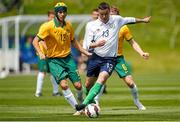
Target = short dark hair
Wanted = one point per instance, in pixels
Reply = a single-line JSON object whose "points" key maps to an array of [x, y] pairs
{"points": [[103, 6]]}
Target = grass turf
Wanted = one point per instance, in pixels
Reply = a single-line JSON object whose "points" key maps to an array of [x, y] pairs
{"points": [[160, 94]]}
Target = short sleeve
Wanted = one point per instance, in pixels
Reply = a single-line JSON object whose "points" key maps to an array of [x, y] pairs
{"points": [[127, 34], [43, 31]]}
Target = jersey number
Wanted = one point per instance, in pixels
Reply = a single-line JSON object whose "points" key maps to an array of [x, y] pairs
{"points": [[63, 37], [105, 33]]}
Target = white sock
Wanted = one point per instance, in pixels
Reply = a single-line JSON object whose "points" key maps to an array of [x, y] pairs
{"points": [[54, 84], [40, 80], [80, 95], [134, 92], [70, 97], [97, 97]]}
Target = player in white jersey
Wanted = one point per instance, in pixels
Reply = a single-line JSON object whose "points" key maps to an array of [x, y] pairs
{"points": [[101, 37]]}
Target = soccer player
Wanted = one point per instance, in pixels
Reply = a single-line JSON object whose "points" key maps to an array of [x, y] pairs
{"points": [[121, 67], [44, 68], [95, 14], [58, 36], [90, 81], [101, 37]]}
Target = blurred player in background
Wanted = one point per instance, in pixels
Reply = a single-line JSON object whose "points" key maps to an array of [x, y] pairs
{"points": [[95, 14], [101, 38], [58, 36], [121, 67], [44, 68]]}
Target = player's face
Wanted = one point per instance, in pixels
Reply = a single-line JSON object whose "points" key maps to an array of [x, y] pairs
{"points": [[113, 12], [50, 17], [62, 15], [104, 15], [95, 15]]}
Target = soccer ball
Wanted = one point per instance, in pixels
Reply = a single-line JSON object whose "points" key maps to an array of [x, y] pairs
{"points": [[92, 110]]}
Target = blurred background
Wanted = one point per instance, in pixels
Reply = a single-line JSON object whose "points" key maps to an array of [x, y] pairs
{"points": [[21, 19]]}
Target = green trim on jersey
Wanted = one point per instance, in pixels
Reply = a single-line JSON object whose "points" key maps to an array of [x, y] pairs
{"points": [[122, 67], [57, 24], [62, 68]]}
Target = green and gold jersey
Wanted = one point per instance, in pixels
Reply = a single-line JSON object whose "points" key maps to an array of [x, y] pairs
{"points": [[124, 33], [58, 39]]}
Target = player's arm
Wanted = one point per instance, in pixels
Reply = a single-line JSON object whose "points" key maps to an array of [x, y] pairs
{"points": [[37, 47], [138, 49], [97, 43], [132, 20], [89, 41], [77, 45], [143, 20]]}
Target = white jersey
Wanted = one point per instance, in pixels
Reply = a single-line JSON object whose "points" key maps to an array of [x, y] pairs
{"points": [[97, 30]]}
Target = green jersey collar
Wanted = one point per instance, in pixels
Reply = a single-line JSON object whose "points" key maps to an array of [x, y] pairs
{"points": [[57, 24]]}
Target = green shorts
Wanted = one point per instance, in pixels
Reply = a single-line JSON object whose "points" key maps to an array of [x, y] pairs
{"points": [[122, 67], [43, 65], [62, 68]]}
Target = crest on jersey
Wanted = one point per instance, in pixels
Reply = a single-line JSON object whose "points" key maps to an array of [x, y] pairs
{"points": [[112, 25]]}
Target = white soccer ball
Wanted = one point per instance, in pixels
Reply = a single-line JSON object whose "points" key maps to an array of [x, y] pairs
{"points": [[92, 110]]}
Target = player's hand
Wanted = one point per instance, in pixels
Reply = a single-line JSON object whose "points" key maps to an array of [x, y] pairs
{"points": [[147, 19], [100, 43], [88, 54], [42, 56], [145, 55], [85, 52]]}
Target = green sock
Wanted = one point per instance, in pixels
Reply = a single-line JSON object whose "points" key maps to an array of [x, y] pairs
{"points": [[92, 93]]}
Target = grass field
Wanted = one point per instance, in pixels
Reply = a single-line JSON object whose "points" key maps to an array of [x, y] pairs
{"points": [[160, 93]]}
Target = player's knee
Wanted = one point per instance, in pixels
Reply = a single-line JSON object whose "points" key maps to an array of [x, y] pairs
{"points": [[88, 84], [64, 85], [129, 81], [78, 85]]}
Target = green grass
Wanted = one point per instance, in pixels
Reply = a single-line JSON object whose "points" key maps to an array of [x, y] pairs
{"points": [[160, 93]]}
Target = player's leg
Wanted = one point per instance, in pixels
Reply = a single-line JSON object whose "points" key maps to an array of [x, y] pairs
{"points": [[94, 90], [55, 87], [123, 70], [53, 81], [40, 77], [74, 76], [67, 93], [106, 69], [40, 80], [93, 70], [97, 97], [89, 84], [134, 91], [57, 69], [78, 87]]}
